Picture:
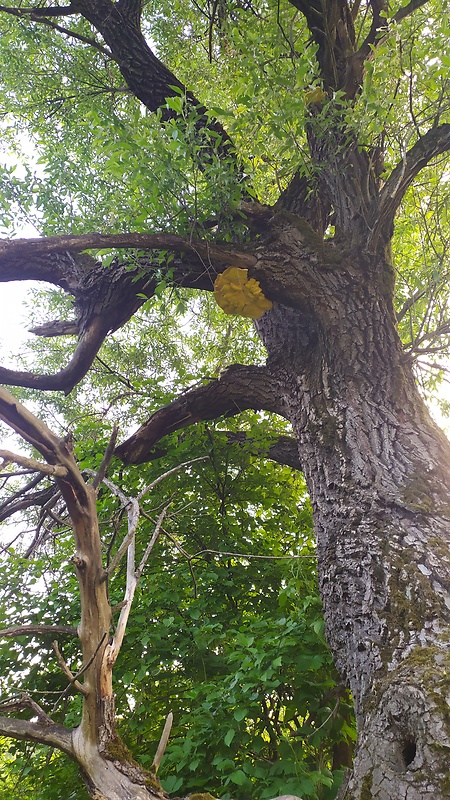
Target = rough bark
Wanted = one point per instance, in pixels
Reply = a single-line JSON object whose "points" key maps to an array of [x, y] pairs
{"points": [[377, 468], [378, 471]]}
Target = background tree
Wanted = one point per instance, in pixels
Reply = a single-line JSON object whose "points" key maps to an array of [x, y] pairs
{"points": [[331, 114]]}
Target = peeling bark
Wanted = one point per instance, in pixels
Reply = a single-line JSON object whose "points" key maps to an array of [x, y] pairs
{"points": [[107, 767]]}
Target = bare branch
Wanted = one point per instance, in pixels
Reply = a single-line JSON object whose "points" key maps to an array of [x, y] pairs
{"points": [[28, 426], [106, 460], [40, 11], [163, 742], [133, 519], [57, 327], [113, 649], [164, 475], [79, 686], [39, 731], [88, 346], [38, 630], [31, 463], [151, 543], [282, 449], [238, 388]]}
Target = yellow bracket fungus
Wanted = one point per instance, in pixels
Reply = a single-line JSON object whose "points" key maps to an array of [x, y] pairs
{"points": [[236, 294], [315, 96]]}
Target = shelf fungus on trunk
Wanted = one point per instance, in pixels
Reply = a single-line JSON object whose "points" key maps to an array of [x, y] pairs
{"points": [[240, 295]]}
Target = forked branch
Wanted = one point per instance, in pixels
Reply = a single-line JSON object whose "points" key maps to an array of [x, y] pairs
{"points": [[105, 297], [432, 144]]}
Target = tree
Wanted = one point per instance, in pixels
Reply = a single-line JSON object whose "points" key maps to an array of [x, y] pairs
{"points": [[345, 111]]}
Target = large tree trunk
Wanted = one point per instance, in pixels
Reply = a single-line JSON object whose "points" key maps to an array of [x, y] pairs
{"points": [[378, 471]]}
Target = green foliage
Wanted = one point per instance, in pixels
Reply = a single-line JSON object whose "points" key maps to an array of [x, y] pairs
{"points": [[226, 630]]}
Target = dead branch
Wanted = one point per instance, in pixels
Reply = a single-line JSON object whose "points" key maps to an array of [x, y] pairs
{"points": [[106, 460], [39, 730], [133, 575], [66, 670], [163, 742], [32, 464], [77, 243], [38, 630]]}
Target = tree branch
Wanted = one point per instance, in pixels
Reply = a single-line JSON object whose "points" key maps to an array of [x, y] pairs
{"points": [[105, 297], [28, 426], [67, 672], [76, 243], [40, 11], [133, 576], [238, 388], [405, 11], [282, 449], [41, 14], [20, 500], [433, 143], [106, 460], [38, 630], [32, 463], [40, 731]]}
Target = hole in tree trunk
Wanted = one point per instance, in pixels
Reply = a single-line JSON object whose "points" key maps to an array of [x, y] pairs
{"points": [[408, 751]]}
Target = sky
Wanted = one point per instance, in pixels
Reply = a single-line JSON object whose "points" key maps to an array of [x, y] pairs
{"points": [[13, 319]]}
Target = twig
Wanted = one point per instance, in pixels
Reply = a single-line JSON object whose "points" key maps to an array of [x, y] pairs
{"points": [[79, 673], [169, 472], [67, 671], [247, 555], [109, 452], [151, 543]]}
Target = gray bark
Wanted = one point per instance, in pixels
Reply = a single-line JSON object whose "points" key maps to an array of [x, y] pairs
{"points": [[378, 471]]}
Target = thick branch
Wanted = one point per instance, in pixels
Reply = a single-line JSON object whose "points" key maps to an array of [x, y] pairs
{"points": [[332, 28], [88, 346], [147, 77], [238, 388], [32, 463], [21, 500], [38, 630], [435, 142], [405, 11], [105, 297], [40, 11], [76, 243], [282, 449], [40, 731], [28, 426]]}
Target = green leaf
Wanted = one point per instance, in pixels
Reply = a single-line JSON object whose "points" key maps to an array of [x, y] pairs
{"points": [[228, 738]]}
